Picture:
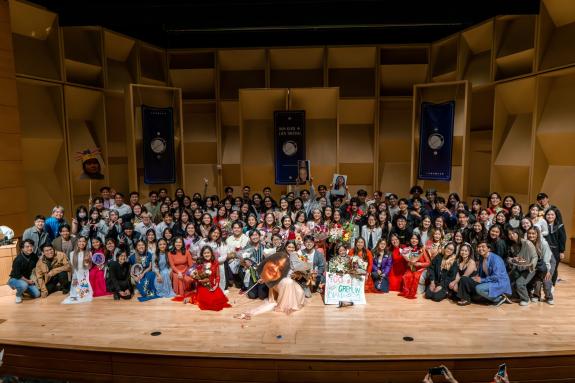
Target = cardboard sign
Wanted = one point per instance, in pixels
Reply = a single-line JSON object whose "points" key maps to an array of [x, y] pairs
{"points": [[344, 288]]}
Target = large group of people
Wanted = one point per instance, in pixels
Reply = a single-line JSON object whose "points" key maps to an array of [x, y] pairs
{"points": [[195, 248]]}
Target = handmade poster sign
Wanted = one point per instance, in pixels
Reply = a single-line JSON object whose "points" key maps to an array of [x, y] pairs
{"points": [[344, 288], [304, 175], [91, 160], [338, 185]]}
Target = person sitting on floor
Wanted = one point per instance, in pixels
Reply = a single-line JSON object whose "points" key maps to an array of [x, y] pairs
{"points": [[492, 281], [442, 272], [118, 280], [52, 271], [21, 274]]}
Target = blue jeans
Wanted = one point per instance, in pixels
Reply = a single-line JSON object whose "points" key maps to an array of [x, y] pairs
{"points": [[483, 290], [21, 287]]}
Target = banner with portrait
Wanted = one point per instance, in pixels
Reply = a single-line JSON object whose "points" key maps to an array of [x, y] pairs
{"points": [[436, 140], [289, 137]]}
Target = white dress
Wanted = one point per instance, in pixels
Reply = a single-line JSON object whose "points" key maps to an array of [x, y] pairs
{"points": [[80, 290]]}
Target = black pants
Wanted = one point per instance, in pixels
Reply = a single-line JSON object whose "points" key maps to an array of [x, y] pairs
{"points": [[466, 288], [231, 278], [58, 282], [261, 291], [555, 275], [436, 296]]}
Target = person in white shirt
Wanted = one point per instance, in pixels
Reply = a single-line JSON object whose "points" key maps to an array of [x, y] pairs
{"points": [[120, 206], [146, 224], [235, 242]]}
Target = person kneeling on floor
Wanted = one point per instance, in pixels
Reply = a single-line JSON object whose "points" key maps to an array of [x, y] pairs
{"points": [[52, 271], [21, 274], [492, 281]]}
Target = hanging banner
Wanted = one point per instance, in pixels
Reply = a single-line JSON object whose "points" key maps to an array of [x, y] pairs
{"points": [[158, 141], [436, 140], [289, 137]]}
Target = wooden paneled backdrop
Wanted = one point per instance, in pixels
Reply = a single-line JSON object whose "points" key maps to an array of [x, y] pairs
{"points": [[513, 78]]}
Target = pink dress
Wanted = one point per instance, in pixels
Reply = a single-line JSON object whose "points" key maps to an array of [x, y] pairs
{"points": [[98, 278]]}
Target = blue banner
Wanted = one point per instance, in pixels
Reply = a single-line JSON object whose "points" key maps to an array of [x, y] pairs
{"points": [[158, 141], [436, 140], [289, 133]]}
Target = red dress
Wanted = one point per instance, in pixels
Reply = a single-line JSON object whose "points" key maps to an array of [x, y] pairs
{"points": [[212, 298], [181, 262], [98, 279], [411, 277], [369, 287], [398, 267]]}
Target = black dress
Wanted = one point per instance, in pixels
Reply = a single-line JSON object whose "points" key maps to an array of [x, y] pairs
{"points": [[441, 277]]}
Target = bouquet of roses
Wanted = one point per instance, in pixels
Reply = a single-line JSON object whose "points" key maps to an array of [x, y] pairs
{"points": [[355, 217], [339, 264], [320, 233], [348, 230], [358, 266], [203, 272]]}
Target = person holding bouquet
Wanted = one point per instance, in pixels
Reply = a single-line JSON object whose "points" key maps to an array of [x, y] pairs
{"points": [[209, 295], [417, 262], [360, 250]]}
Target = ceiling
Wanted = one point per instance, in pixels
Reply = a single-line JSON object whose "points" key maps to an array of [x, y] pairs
{"points": [[245, 23]]}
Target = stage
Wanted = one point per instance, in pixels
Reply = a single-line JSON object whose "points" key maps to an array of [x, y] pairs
{"points": [[111, 341]]}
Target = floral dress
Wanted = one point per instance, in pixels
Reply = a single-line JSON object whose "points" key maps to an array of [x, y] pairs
{"points": [[146, 285], [81, 290]]}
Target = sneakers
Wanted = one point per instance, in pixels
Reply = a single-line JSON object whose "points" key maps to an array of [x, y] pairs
{"points": [[502, 300], [524, 303], [18, 299], [550, 302], [534, 299], [463, 303]]}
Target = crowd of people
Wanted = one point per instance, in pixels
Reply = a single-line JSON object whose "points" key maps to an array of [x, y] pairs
{"points": [[195, 248]]}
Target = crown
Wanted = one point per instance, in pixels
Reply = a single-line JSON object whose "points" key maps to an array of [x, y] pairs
{"points": [[87, 154]]}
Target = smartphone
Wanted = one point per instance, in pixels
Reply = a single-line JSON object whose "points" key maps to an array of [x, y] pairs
{"points": [[502, 370], [436, 371]]}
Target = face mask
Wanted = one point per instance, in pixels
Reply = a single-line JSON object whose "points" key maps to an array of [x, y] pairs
{"points": [[81, 215]]}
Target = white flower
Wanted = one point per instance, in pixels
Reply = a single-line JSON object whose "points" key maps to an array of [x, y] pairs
{"points": [[208, 266], [208, 272]]}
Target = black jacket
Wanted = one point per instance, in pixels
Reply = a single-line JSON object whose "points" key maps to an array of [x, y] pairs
{"points": [[440, 276], [23, 266]]}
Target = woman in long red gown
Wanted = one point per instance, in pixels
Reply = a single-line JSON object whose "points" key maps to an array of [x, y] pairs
{"points": [[417, 264], [98, 272], [398, 265], [365, 254], [180, 262], [209, 295]]}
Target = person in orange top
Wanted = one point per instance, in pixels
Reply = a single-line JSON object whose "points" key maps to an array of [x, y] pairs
{"points": [[417, 263], [361, 250], [180, 261]]}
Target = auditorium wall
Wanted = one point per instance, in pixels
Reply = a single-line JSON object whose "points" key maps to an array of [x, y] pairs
{"points": [[513, 78]]}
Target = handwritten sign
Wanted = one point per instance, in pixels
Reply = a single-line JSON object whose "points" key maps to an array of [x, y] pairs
{"points": [[344, 288]]}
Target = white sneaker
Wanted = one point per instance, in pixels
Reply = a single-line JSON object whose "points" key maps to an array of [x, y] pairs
{"points": [[534, 299], [550, 302], [18, 299], [524, 303]]}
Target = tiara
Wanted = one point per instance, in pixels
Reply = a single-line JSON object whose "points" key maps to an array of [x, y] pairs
{"points": [[87, 154]]}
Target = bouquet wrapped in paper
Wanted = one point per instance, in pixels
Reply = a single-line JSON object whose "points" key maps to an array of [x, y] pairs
{"points": [[358, 266], [340, 264], [410, 256], [202, 272], [319, 232]]}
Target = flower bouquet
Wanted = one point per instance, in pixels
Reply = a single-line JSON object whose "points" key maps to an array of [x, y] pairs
{"points": [[202, 272], [335, 234], [320, 233], [410, 256], [358, 266], [340, 264]]}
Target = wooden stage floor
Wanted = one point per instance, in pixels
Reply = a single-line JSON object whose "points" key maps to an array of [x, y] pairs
{"points": [[321, 335]]}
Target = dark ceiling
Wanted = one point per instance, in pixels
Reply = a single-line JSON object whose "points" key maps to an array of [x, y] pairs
{"points": [[245, 23]]}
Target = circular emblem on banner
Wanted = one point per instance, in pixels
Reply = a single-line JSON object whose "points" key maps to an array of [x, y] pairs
{"points": [[289, 148], [435, 141], [158, 145]]}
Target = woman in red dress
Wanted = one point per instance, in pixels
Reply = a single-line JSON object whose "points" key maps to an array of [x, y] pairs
{"points": [[208, 295], [98, 271], [365, 254], [418, 262], [398, 265], [180, 261]]}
